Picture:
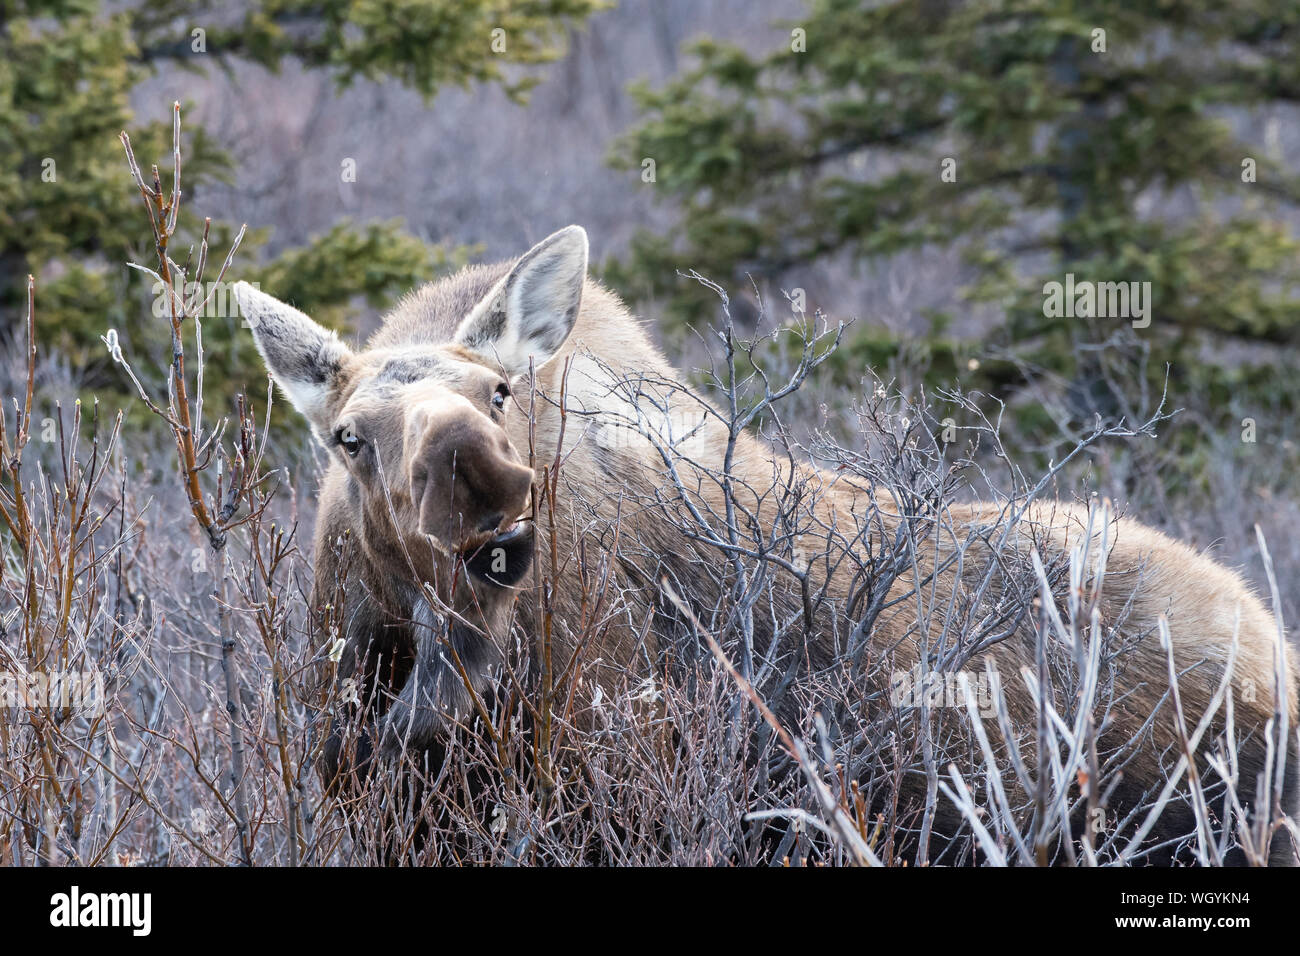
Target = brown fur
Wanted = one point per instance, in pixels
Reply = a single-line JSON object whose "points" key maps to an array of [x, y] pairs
{"points": [[608, 477]]}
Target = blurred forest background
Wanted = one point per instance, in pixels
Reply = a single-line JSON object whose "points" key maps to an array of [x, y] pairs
{"points": [[920, 169]]}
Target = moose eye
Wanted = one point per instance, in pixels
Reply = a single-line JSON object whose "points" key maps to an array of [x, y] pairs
{"points": [[347, 437], [499, 398]]}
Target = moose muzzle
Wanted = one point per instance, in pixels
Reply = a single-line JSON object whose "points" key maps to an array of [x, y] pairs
{"points": [[467, 483]]}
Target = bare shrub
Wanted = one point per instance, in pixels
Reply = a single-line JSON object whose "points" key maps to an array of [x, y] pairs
{"points": [[171, 575]]}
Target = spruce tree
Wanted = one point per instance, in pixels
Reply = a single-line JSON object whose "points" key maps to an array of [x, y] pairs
{"points": [[68, 211], [1043, 138]]}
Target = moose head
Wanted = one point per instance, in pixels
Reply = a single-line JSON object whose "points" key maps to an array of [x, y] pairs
{"points": [[421, 427]]}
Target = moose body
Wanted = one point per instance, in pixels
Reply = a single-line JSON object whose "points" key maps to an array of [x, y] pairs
{"points": [[431, 492]]}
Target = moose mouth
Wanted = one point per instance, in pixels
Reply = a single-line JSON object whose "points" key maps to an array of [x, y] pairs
{"points": [[504, 558]]}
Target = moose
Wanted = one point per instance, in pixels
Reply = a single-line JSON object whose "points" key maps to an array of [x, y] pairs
{"points": [[431, 429]]}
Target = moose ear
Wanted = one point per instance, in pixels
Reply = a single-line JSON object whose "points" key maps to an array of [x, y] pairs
{"points": [[302, 356], [532, 310]]}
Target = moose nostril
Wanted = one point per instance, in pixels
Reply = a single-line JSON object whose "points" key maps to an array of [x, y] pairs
{"points": [[491, 522]]}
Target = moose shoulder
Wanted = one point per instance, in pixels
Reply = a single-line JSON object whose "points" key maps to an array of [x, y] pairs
{"points": [[433, 425]]}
